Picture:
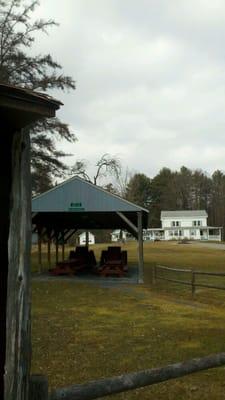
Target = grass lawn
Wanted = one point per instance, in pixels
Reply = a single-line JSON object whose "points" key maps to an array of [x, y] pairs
{"points": [[84, 331]]}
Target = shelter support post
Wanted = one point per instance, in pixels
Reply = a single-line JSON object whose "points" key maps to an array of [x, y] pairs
{"points": [[40, 250], [138, 231], [56, 247], [86, 238], [63, 247], [49, 248], [140, 249]]}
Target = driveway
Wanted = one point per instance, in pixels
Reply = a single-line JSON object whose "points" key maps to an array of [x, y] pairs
{"points": [[217, 246]]}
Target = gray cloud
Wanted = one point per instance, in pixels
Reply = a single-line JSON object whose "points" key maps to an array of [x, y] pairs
{"points": [[150, 79]]}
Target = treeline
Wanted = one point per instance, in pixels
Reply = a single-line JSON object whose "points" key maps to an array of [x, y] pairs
{"points": [[180, 190]]}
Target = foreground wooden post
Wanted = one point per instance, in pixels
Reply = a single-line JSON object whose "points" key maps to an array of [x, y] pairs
{"points": [[18, 109], [122, 383], [18, 346], [5, 179]]}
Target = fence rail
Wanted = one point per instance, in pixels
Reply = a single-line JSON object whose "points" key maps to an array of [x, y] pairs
{"points": [[135, 380], [192, 282]]}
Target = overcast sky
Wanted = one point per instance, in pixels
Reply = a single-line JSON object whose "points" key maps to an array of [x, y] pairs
{"points": [[150, 78]]}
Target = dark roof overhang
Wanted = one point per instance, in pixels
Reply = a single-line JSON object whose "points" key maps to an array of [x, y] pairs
{"points": [[20, 107], [87, 220]]}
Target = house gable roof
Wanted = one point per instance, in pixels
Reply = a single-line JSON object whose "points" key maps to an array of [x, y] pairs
{"points": [[184, 213]]}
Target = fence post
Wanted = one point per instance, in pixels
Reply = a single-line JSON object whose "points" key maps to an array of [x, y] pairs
{"points": [[154, 275], [192, 283], [38, 389]]}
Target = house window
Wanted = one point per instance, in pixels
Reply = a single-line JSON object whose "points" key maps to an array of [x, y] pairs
{"points": [[175, 223], [197, 223], [193, 233], [171, 233]]}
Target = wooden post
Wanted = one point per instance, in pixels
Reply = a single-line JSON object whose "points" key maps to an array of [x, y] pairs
{"points": [[63, 246], [18, 344], [39, 250], [86, 238], [154, 274], [49, 249], [192, 283], [56, 247], [6, 181], [38, 387], [140, 249]]}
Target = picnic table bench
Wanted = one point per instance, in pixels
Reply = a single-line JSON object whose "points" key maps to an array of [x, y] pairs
{"points": [[113, 262], [80, 259]]}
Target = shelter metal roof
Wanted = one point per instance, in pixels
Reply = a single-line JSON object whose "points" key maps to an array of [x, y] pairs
{"points": [[78, 195], [78, 204], [184, 213]]}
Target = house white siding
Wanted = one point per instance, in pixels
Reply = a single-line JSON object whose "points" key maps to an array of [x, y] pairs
{"points": [[187, 224], [183, 222]]}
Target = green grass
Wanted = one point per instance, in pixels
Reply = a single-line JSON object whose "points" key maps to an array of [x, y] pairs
{"points": [[83, 332]]}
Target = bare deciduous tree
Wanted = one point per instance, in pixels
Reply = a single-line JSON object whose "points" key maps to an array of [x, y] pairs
{"points": [[105, 166]]}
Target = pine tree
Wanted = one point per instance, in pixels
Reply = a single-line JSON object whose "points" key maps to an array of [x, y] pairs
{"points": [[19, 67], [139, 190]]}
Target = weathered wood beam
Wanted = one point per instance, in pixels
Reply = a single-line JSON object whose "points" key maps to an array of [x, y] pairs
{"points": [[135, 380], [70, 234], [63, 233], [5, 182], [18, 345], [128, 222]]}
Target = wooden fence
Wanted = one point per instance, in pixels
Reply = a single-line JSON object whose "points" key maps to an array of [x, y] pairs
{"points": [[118, 384], [191, 282]]}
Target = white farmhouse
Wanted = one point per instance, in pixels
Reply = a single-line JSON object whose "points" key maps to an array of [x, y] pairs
{"points": [[189, 224], [82, 238]]}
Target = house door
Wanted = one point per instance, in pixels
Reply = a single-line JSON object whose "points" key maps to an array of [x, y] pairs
{"points": [[203, 234]]}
